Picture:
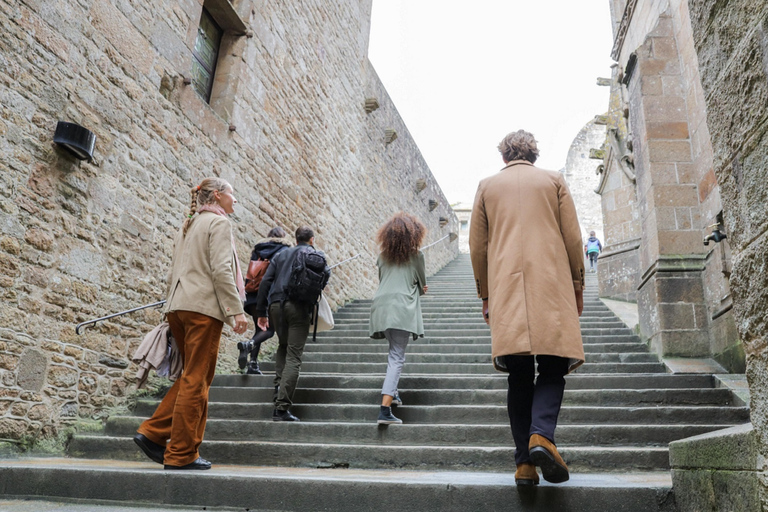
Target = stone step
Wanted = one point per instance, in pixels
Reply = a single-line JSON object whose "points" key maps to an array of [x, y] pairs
{"points": [[460, 368], [473, 414], [390, 456], [469, 323], [497, 380], [414, 347], [338, 490], [334, 337], [315, 356], [416, 397], [471, 331], [428, 435], [343, 315]]}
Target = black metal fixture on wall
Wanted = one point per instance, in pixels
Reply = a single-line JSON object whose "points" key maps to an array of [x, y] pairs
{"points": [[76, 139]]}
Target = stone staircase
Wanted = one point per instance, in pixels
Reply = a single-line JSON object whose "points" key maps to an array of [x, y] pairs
{"points": [[621, 410]]}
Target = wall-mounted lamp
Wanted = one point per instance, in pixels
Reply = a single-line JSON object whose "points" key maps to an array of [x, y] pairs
{"points": [[75, 139]]}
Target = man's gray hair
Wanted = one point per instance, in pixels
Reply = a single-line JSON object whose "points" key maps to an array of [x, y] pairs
{"points": [[519, 145]]}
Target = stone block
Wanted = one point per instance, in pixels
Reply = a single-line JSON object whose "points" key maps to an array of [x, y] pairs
{"points": [[667, 130], [677, 316], [676, 289], [32, 370], [689, 343], [669, 151], [651, 86], [663, 48], [664, 109], [694, 491]]}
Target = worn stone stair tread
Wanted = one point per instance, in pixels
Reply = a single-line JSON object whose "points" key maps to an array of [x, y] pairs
{"points": [[489, 381], [437, 396], [465, 456], [442, 414], [425, 434], [329, 489]]}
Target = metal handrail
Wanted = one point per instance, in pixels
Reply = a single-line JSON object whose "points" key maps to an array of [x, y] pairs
{"points": [[92, 323], [346, 260], [452, 236]]}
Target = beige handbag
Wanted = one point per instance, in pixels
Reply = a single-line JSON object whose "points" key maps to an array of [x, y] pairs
{"points": [[322, 317]]}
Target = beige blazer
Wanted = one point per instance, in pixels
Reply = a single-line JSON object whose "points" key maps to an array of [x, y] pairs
{"points": [[202, 275], [527, 257]]}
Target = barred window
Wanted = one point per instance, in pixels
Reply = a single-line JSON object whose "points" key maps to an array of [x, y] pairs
{"points": [[205, 55]]}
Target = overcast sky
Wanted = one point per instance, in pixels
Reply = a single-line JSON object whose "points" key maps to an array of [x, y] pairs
{"points": [[464, 74]]}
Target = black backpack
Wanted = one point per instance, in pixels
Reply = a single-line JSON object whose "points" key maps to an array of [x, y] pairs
{"points": [[308, 277]]}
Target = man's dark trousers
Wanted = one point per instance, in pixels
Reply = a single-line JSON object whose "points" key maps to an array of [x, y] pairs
{"points": [[291, 323], [533, 407]]}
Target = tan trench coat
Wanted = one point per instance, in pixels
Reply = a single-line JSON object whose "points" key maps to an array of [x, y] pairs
{"points": [[202, 274], [526, 251]]}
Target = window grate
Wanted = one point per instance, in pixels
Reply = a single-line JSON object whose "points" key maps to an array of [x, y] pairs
{"points": [[205, 55]]}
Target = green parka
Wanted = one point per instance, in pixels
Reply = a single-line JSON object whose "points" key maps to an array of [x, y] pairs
{"points": [[396, 304]]}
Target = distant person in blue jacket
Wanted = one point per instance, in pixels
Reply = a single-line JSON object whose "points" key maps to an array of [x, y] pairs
{"points": [[593, 248]]}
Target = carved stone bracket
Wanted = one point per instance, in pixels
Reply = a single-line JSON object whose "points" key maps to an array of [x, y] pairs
{"points": [[432, 204], [371, 104], [390, 135]]}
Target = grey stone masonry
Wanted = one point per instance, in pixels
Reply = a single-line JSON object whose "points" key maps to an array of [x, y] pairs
{"points": [[286, 125]]}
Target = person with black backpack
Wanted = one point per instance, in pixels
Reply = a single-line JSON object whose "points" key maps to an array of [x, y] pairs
{"points": [[288, 293], [265, 249]]}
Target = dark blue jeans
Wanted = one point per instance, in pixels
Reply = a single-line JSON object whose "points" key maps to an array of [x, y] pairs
{"points": [[534, 405]]}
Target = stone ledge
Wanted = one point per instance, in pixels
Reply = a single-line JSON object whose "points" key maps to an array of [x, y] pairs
{"points": [[693, 365], [732, 449], [626, 311], [717, 471], [737, 383]]}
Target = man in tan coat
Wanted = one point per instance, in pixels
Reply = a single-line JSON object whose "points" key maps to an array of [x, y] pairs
{"points": [[526, 251]]}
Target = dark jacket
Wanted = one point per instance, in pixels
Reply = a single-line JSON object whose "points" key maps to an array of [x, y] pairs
{"points": [[272, 288], [265, 249]]}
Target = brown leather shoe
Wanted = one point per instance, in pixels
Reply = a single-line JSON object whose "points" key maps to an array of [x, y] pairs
{"points": [[544, 454], [526, 474]]}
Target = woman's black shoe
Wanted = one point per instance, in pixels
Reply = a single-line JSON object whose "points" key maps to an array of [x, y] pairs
{"points": [[151, 449], [199, 463]]}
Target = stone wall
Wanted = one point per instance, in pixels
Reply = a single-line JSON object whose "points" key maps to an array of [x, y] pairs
{"points": [[731, 42], [286, 126], [682, 292], [582, 179]]}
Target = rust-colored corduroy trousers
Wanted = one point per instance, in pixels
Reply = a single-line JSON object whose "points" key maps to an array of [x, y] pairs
{"points": [[180, 418]]}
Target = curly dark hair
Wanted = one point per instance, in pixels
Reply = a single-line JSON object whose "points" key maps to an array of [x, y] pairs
{"points": [[400, 238]]}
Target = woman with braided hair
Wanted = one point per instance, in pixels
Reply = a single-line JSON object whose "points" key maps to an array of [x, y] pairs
{"points": [[205, 289]]}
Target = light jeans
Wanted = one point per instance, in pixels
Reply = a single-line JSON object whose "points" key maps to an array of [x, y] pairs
{"points": [[398, 341]]}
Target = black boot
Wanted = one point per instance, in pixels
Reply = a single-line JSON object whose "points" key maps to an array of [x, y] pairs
{"points": [[245, 348], [253, 366]]}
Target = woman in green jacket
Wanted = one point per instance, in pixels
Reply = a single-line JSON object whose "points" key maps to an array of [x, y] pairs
{"points": [[396, 308]]}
